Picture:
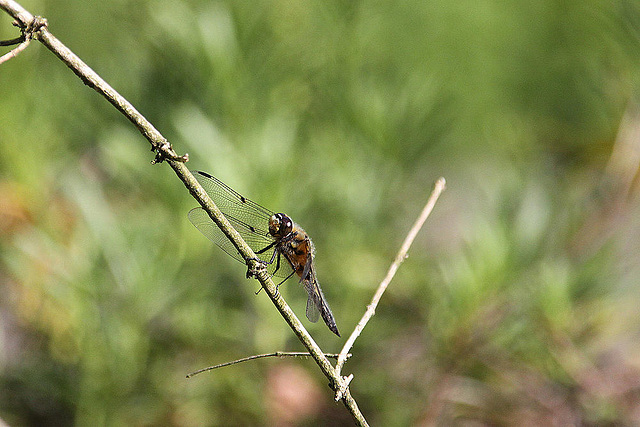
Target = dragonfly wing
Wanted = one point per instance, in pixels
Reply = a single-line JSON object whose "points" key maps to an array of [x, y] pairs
{"points": [[233, 204], [200, 218], [313, 314], [249, 218], [317, 304]]}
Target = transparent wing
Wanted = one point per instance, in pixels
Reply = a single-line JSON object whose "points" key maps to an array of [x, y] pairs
{"points": [[317, 304], [313, 314], [200, 218], [249, 218]]}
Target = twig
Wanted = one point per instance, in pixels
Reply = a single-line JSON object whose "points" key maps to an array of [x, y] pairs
{"points": [[165, 152], [12, 41], [344, 388], [18, 13], [260, 356], [14, 52], [28, 31], [402, 255]]}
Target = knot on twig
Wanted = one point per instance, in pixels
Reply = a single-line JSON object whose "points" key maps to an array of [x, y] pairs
{"points": [[342, 387], [29, 31], [37, 24], [255, 267], [164, 151]]}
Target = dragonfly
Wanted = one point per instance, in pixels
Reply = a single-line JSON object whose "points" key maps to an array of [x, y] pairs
{"points": [[272, 236]]}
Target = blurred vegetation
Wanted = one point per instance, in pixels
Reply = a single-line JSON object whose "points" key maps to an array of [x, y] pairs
{"points": [[517, 305]]}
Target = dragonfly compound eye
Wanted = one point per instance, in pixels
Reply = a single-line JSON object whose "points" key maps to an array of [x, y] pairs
{"points": [[286, 225]]}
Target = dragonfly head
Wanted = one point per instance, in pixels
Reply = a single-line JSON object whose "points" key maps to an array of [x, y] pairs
{"points": [[280, 225]]}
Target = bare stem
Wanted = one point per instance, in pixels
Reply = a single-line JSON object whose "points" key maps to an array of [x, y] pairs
{"points": [[23, 41], [260, 356], [402, 255], [11, 42], [14, 52]]}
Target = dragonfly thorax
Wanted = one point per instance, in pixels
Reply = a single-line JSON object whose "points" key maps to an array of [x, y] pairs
{"points": [[280, 226]]}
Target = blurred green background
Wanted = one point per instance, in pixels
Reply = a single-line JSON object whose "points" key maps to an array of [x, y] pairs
{"points": [[517, 305]]}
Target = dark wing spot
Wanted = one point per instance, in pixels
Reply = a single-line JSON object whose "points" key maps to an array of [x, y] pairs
{"points": [[243, 199]]}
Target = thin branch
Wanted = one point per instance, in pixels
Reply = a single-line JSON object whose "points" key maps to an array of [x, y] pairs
{"points": [[260, 356], [15, 51], [438, 188], [165, 152], [27, 34], [11, 42]]}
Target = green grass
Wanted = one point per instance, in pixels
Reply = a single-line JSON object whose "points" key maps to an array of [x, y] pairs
{"points": [[517, 305]]}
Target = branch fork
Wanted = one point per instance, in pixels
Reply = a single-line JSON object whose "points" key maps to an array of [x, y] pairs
{"points": [[29, 30]]}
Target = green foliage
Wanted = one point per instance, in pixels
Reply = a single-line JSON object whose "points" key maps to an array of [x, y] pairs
{"points": [[517, 305]]}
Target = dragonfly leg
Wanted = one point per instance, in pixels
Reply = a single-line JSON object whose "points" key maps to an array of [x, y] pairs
{"points": [[285, 279], [275, 253], [277, 262], [265, 263], [266, 248]]}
